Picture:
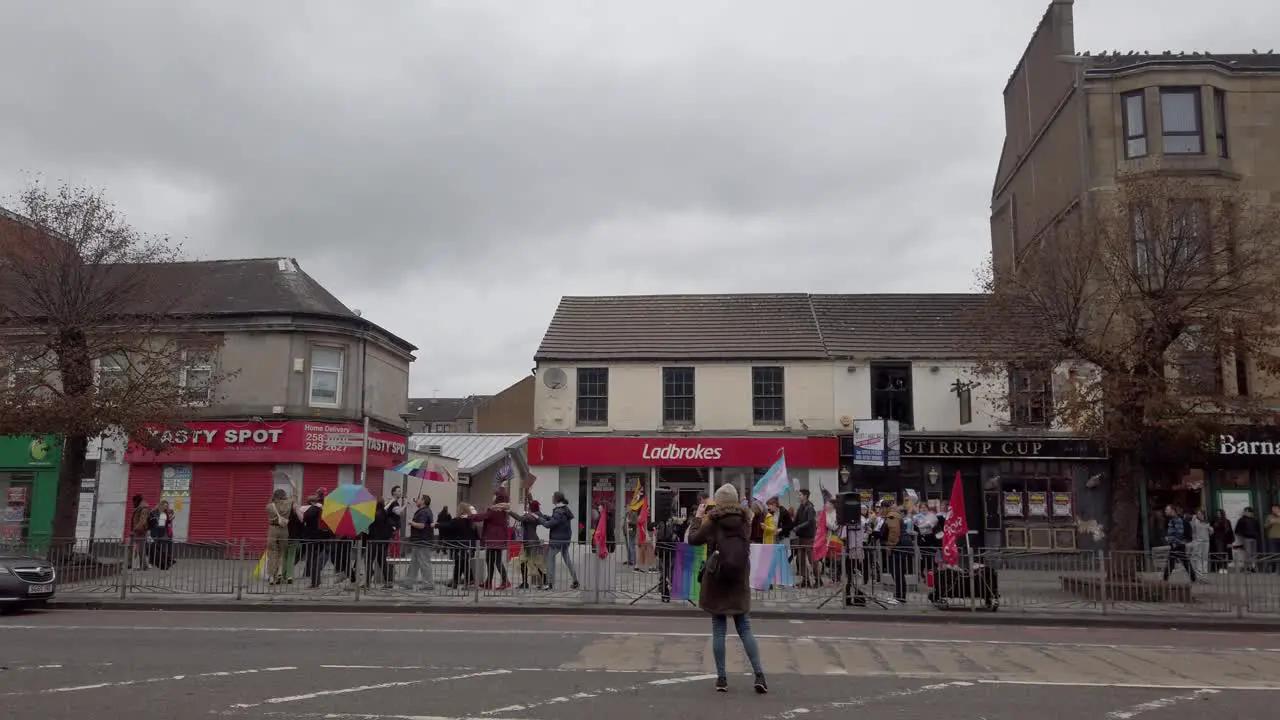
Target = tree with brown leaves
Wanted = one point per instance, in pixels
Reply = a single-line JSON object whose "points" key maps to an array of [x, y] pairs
{"points": [[92, 340], [1154, 313]]}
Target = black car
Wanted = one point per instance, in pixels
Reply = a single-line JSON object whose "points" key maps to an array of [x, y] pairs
{"points": [[25, 581]]}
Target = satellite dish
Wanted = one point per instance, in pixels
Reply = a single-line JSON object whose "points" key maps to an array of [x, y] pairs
{"points": [[555, 379]]}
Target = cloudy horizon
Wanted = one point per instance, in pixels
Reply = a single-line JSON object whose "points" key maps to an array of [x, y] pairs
{"points": [[453, 167]]}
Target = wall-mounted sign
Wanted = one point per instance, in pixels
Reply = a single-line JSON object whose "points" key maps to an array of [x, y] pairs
{"points": [[1062, 504], [959, 446], [877, 443], [1037, 505], [1013, 504]]}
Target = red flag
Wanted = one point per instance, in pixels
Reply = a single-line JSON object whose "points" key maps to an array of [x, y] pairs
{"points": [[957, 525], [642, 535], [602, 547], [821, 539]]}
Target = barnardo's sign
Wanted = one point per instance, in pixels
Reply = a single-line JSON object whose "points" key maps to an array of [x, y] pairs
{"points": [[1229, 445]]}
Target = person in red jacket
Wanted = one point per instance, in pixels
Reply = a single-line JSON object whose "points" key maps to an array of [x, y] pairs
{"points": [[494, 537]]}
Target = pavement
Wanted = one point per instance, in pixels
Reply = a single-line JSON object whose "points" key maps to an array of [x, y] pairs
{"points": [[75, 664]]}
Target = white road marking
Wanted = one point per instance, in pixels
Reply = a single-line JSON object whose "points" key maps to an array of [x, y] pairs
{"points": [[353, 716], [20, 667], [461, 668], [365, 688], [867, 700], [1133, 686], [147, 681], [611, 633], [1157, 704], [561, 699]]}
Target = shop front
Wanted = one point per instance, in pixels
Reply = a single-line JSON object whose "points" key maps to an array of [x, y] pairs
{"points": [[218, 476], [1021, 492], [28, 488], [1236, 470], [606, 469]]}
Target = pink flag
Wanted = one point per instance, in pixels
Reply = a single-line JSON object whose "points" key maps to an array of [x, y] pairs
{"points": [[600, 540], [822, 539], [957, 525]]}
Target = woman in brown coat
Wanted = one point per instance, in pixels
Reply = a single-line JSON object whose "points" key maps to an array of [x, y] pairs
{"points": [[725, 527]]}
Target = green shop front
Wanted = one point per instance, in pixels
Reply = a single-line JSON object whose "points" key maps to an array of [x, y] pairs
{"points": [[28, 488]]}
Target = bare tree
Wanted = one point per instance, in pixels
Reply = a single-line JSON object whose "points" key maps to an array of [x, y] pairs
{"points": [[95, 334], [1148, 311]]}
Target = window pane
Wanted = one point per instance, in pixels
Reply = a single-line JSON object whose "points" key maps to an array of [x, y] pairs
{"points": [[326, 357], [1181, 144], [1134, 117], [1136, 147], [324, 387], [1178, 111]]}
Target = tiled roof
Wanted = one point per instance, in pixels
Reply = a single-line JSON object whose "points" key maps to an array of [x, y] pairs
{"points": [[473, 451], [760, 327], [925, 325], [1239, 62], [435, 409], [706, 327], [222, 288]]}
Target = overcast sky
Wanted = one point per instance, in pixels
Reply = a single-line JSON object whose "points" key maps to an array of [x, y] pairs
{"points": [[452, 168]]}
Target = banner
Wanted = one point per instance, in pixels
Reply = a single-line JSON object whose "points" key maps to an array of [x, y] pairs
{"points": [[769, 568]]}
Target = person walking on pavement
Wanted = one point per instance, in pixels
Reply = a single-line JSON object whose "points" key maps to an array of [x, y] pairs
{"points": [[462, 546], [493, 534], [725, 530], [1272, 530], [138, 532], [1248, 535], [1221, 541], [1201, 539], [160, 529], [420, 538], [806, 529], [377, 542], [560, 523], [531, 551], [279, 510], [1177, 535]]}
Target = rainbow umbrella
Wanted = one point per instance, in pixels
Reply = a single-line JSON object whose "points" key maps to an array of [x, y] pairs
{"points": [[421, 468], [348, 510]]}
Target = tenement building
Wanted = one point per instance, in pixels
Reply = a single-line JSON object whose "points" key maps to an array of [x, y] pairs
{"points": [[1076, 121]]}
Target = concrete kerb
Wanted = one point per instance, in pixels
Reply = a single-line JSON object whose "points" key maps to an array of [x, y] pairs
{"points": [[868, 616]]}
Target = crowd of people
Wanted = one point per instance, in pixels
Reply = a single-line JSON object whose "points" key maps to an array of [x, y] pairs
{"points": [[1203, 546]]}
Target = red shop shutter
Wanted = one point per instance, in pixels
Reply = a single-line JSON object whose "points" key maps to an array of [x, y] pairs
{"points": [[251, 488], [144, 480], [210, 503], [315, 477]]}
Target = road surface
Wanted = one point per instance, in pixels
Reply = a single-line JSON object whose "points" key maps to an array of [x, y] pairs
{"points": [[151, 666]]}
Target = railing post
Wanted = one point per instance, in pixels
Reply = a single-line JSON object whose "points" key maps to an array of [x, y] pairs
{"points": [[356, 562], [1242, 599], [240, 580], [1102, 579], [125, 567], [474, 572], [973, 578]]}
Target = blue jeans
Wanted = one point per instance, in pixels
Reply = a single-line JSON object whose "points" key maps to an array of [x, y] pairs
{"points": [[631, 549], [563, 551], [719, 627]]}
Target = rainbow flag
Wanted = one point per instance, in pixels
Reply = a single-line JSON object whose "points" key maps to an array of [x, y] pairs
{"points": [[685, 581]]}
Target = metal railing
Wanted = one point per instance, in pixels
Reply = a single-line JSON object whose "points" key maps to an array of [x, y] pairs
{"points": [[359, 571]]}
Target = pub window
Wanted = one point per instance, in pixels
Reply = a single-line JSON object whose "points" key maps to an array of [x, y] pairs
{"points": [[1030, 395], [677, 396], [593, 396], [891, 392], [767, 404]]}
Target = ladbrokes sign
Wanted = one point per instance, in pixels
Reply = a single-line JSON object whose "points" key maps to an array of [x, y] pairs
{"points": [[672, 451]]}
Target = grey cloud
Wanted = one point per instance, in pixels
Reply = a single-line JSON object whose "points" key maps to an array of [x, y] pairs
{"points": [[452, 167]]}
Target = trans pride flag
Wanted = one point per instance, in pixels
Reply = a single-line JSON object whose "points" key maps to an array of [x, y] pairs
{"points": [[773, 483]]}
